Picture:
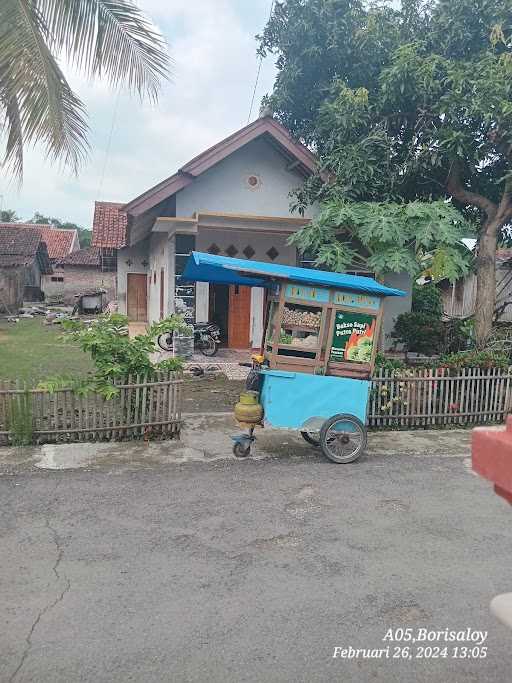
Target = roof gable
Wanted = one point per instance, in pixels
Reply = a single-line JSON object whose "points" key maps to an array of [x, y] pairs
{"points": [[305, 160], [109, 225]]}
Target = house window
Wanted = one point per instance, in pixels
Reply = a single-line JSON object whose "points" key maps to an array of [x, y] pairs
{"points": [[108, 259], [184, 295], [57, 279]]}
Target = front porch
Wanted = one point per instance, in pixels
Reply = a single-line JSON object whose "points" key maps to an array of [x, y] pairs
{"points": [[149, 286]]}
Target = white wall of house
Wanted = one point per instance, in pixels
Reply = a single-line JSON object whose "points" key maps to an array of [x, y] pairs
{"points": [[158, 261], [130, 260], [240, 239], [394, 305], [225, 186]]}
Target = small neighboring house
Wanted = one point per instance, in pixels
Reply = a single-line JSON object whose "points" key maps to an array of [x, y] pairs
{"points": [[233, 199], [24, 261], [78, 272], [59, 242], [459, 298]]}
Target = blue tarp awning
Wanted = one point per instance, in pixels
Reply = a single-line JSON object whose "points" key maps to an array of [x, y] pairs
{"points": [[223, 270]]}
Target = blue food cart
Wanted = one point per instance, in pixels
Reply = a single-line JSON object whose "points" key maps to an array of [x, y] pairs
{"points": [[318, 350]]}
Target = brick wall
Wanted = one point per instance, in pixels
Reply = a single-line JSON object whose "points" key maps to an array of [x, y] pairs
{"points": [[76, 280]]}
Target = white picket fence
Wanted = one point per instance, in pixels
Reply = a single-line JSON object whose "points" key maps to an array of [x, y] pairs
{"points": [[427, 397]]}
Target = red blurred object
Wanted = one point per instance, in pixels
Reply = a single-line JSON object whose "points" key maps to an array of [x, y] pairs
{"points": [[492, 456]]}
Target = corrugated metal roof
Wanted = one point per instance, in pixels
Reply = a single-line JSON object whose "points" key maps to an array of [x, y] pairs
{"points": [[232, 271]]}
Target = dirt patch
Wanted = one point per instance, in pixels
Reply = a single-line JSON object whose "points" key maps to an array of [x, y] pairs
{"points": [[211, 394]]}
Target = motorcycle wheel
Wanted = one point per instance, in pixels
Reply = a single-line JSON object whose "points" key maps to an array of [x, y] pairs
{"points": [[209, 347], [311, 438], [164, 341]]}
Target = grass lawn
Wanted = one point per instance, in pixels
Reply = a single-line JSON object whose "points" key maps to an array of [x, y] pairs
{"points": [[32, 351]]}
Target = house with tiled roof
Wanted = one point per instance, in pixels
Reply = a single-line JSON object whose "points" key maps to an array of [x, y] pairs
{"points": [[79, 272], [24, 261], [232, 199], [59, 242]]}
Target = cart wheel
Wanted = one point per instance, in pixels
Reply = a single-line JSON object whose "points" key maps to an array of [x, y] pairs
{"points": [[343, 438], [313, 440], [241, 451]]}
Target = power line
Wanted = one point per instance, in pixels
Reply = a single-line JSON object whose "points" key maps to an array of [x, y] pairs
{"points": [[259, 69], [109, 143]]}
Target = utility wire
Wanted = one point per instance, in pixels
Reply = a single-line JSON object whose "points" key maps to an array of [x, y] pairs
{"points": [[259, 68], [109, 144]]}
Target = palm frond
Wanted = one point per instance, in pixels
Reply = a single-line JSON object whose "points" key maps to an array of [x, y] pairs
{"points": [[38, 103], [104, 38], [13, 131], [109, 38]]}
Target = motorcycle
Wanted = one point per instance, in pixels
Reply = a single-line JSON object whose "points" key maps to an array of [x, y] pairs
{"points": [[206, 339]]}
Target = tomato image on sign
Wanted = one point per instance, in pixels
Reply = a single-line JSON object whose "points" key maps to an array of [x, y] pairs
{"points": [[353, 337]]}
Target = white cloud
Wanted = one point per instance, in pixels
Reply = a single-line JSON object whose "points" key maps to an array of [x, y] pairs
{"points": [[214, 51]]}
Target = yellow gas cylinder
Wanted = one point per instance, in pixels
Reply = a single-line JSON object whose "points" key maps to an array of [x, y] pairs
{"points": [[248, 410]]}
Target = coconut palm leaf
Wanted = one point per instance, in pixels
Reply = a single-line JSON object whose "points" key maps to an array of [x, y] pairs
{"points": [[104, 38], [109, 38]]}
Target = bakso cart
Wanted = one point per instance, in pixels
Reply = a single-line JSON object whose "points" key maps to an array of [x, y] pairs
{"points": [[318, 350]]}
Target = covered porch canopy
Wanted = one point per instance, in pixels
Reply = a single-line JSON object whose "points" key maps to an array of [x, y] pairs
{"points": [[223, 270]]}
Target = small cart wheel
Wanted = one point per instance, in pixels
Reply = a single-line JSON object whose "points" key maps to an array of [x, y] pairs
{"points": [[343, 438], [313, 440], [240, 450]]}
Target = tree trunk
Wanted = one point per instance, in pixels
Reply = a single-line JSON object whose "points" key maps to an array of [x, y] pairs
{"points": [[486, 282]]}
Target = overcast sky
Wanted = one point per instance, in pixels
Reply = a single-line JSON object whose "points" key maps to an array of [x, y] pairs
{"points": [[213, 47]]}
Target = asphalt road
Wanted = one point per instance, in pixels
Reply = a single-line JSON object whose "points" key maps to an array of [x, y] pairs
{"points": [[249, 571]]}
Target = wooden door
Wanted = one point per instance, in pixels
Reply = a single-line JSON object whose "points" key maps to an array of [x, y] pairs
{"points": [[137, 297], [239, 318]]}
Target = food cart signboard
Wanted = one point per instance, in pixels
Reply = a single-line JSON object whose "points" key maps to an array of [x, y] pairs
{"points": [[353, 337]]}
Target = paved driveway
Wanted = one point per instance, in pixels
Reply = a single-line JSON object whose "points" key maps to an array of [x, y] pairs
{"points": [[250, 570]]}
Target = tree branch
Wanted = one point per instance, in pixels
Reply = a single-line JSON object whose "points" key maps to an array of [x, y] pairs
{"points": [[457, 189]]}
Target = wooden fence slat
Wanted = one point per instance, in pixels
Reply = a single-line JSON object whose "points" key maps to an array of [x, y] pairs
{"points": [[141, 406], [429, 397]]}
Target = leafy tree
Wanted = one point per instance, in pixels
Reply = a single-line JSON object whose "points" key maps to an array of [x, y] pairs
{"points": [[9, 216], [427, 116], [84, 235], [101, 38], [387, 237]]}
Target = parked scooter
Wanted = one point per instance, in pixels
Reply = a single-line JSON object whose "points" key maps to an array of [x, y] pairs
{"points": [[206, 339]]}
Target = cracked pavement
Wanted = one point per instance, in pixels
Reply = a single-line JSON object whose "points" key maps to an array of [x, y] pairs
{"points": [[141, 569]]}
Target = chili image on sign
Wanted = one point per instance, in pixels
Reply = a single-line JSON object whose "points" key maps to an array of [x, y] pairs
{"points": [[352, 338]]}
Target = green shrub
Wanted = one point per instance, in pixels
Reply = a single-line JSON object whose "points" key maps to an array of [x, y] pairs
{"points": [[19, 419], [474, 359], [386, 363], [427, 299], [115, 354], [420, 332]]}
